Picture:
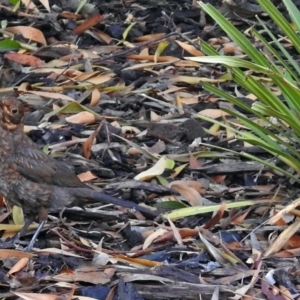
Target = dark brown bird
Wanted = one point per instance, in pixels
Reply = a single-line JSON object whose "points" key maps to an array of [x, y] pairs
{"points": [[31, 179]]}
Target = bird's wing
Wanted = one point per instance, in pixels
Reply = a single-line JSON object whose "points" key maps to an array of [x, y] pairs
{"points": [[37, 166], [34, 163]]}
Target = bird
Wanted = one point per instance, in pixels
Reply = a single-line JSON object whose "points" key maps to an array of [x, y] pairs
{"points": [[33, 180]]}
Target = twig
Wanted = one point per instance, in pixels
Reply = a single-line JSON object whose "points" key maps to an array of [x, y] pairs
{"points": [[70, 61], [177, 30], [72, 245], [165, 104], [127, 51], [182, 35]]}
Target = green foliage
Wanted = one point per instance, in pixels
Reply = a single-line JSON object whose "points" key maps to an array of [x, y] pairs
{"points": [[81, 4], [280, 132], [9, 45], [14, 2]]}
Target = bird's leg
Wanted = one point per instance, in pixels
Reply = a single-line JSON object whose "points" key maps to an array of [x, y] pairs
{"points": [[43, 216], [37, 232], [61, 216], [16, 238]]}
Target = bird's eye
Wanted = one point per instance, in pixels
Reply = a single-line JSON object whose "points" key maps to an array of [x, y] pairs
{"points": [[14, 110]]}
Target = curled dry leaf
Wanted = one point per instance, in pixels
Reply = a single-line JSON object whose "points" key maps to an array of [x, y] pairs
{"points": [[95, 97], [191, 183], [213, 113], [232, 48], [216, 217], [29, 33], [175, 232], [19, 265], [218, 41], [149, 240], [25, 59], [190, 194], [158, 147], [157, 169], [100, 79], [149, 37], [8, 253], [85, 76], [87, 145], [186, 64], [83, 117], [239, 219], [189, 48], [282, 239], [187, 100]]}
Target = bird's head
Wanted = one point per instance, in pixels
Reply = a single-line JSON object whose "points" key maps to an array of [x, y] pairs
{"points": [[11, 113]]}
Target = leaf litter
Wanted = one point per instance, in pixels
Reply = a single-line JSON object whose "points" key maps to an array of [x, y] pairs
{"points": [[107, 89]]}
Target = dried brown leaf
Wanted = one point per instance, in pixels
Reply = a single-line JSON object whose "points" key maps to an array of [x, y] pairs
{"points": [[19, 265], [90, 274], [38, 296], [217, 217], [175, 232], [101, 36], [87, 145], [189, 48], [95, 97], [25, 59], [88, 23], [282, 239], [213, 113], [83, 117], [190, 194], [29, 33], [149, 240], [149, 37], [86, 176], [9, 253]]}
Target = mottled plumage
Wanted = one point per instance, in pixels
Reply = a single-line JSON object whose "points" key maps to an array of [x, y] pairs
{"points": [[33, 180]]}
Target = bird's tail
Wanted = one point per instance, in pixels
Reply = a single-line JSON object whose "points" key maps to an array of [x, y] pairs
{"points": [[94, 196]]}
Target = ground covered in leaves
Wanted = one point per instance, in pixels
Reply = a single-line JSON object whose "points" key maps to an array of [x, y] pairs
{"points": [[109, 89]]}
